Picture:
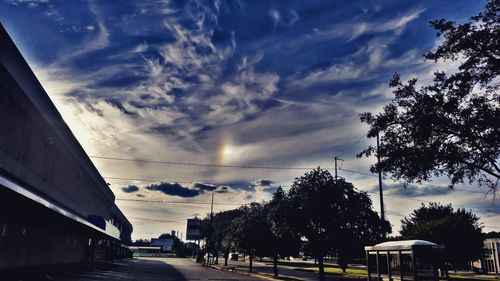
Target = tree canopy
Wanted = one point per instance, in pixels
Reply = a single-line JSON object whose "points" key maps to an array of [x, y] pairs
{"points": [[221, 239], [284, 240], [450, 127], [250, 231], [459, 231], [322, 210]]}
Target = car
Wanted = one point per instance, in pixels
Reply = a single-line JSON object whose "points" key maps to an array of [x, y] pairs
{"points": [[233, 256]]}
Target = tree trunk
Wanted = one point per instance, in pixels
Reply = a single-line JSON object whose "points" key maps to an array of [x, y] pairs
{"points": [[275, 265], [321, 269], [250, 268], [226, 256]]}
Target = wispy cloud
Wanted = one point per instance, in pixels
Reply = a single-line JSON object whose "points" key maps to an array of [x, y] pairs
{"points": [[225, 82]]}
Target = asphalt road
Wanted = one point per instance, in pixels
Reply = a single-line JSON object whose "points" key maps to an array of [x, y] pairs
{"points": [[141, 269]]}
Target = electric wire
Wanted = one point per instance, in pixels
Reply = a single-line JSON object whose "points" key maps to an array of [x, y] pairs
{"points": [[201, 164]]}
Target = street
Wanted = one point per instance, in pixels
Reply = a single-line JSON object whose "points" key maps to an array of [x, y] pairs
{"points": [[143, 269]]}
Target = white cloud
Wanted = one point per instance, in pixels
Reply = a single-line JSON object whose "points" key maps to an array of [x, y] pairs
{"points": [[29, 3], [336, 72]]}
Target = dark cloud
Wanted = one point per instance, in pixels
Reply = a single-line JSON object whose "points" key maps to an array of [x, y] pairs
{"points": [[130, 189], [240, 185], [264, 182], [223, 189], [173, 189], [483, 208], [266, 185], [270, 189], [204, 186], [411, 190]]}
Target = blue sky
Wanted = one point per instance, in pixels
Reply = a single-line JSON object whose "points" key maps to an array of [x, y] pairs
{"points": [[248, 83]]}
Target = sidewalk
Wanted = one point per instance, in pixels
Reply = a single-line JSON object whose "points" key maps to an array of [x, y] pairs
{"points": [[308, 272], [286, 272]]}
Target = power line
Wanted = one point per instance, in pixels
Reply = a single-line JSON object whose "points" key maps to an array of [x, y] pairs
{"points": [[417, 183], [459, 206], [180, 202], [243, 203], [155, 221], [358, 172], [243, 167], [147, 180], [353, 171], [159, 220], [201, 164], [404, 198], [346, 147], [392, 213]]}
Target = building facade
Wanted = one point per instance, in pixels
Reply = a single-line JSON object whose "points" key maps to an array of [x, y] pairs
{"points": [[491, 263], [55, 207]]}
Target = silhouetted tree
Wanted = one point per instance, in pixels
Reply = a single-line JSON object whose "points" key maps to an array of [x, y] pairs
{"points": [[451, 126], [221, 238], [283, 241], [459, 231], [206, 230], [250, 231], [331, 214], [492, 234], [141, 242]]}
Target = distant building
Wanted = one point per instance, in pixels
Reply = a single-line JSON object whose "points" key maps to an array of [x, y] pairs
{"points": [[166, 244], [491, 261]]}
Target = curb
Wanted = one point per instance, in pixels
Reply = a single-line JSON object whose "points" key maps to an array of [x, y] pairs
{"points": [[336, 275]]}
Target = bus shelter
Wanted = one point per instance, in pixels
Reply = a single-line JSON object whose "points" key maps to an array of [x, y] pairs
{"points": [[404, 260]]}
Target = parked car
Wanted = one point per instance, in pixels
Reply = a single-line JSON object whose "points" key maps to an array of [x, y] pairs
{"points": [[233, 256]]}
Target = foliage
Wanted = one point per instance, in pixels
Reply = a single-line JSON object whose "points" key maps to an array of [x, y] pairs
{"points": [[322, 211], [250, 231], [284, 241], [459, 231], [492, 234], [221, 239], [317, 209], [449, 127], [141, 242]]}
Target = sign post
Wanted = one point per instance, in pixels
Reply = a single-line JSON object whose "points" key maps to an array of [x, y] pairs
{"points": [[193, 232]]}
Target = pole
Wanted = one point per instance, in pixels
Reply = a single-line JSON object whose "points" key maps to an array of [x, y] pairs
{"points": [[337, 167], [381, 192], [212, 207], [210, 229]]}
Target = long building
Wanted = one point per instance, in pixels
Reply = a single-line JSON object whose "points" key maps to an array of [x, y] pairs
{"points": [[55, 207]]}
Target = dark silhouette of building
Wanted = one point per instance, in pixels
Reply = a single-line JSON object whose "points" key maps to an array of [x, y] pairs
{"points": [[55, 207]]}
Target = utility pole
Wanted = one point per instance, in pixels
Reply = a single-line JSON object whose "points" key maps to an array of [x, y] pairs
{"points": [[336, 167], [210, 229], [381, 192]]}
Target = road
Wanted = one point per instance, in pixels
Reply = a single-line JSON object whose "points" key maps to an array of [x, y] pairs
{"points": [[140, 269]]}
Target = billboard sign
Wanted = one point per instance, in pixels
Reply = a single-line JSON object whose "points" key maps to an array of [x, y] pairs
{"points": [[193, 231]]}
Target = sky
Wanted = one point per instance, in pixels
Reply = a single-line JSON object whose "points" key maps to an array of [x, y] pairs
{"points": [[240, 87]]}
